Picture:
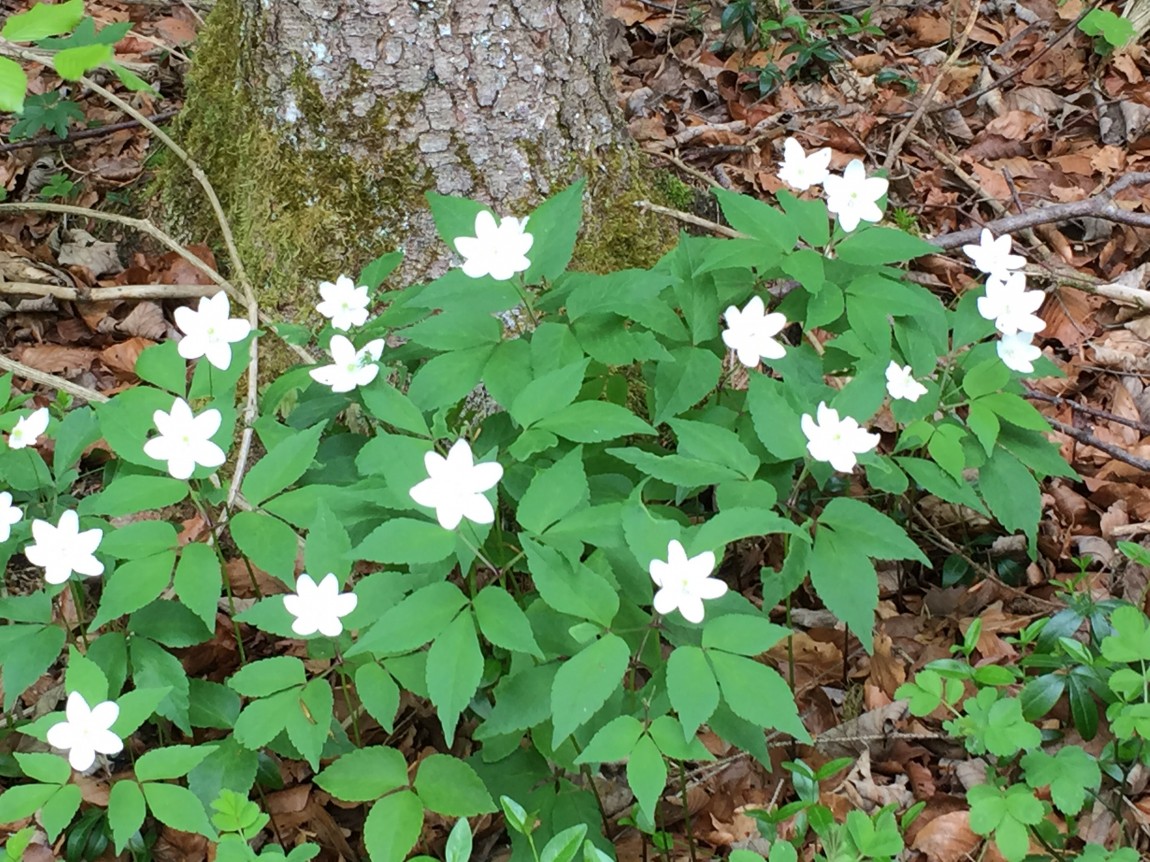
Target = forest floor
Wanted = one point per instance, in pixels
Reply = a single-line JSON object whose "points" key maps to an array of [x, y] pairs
{"points": [[978, 115]]}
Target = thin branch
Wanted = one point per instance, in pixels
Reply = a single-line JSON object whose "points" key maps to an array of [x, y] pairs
{"points": [[107, 294], [1060, 401], [51, 380], [75, 135], [908, 129], [1115, 452], [690, 218]]}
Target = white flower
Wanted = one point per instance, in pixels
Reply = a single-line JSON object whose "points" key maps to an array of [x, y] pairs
{"points": [[63, 549], [9, 515], [343, 302], [1010, 305], [350, 367], [993, 256], [1018, 352], [86, 732], [836, 441], [900, 383], [854, 196], [209, 332], [454, 486], [28, 429], [684, 583], [185, 439], [800, 171], [318, 607], [750, 332], [496, 250]]}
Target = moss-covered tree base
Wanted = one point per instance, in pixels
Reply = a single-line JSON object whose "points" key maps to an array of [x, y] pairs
{"points": [[318, 179]]}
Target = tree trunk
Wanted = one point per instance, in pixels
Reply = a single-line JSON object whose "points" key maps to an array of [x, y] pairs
{"points": [[323, 122]]}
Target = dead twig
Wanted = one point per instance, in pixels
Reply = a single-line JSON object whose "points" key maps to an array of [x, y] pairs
{"points": [[1060, 401], [75, 135], [908, 129], [52, 381], [1115, 452], [106, 294], [690, 218]]}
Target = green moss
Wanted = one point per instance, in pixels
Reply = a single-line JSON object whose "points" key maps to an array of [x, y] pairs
{"points": [[679, 195], [303, 210]]}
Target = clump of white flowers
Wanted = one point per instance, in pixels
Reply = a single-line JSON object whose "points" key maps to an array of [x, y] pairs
{"points": [[1007, 302]]}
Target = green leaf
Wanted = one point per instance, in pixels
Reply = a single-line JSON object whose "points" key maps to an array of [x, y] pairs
{"points": [[13, 86], [388, 404], [574, 590], [137, 706], [646, 774], [776, 422], [674, 742], [757, 694], [140, 539], [454, 668], [406, 540], [742, 634], [378, 693], [130, 494], [459, 842], [413, 622], [692, 688], [133, 585], [555, 492], [309, 722], [870, 532], [984, 423], [262, 720], [554, 225], [503, 622], [48, 768], [447, 785], [807, 267], [846, 582], [328, 546], [198, 581], [43, 20], [810, 217], [706, 441], [1005, 814], [163, 366], [454, 330], [1069, 773], [267, 676], [24, 800], [684, 382], [84, 675], [877, 245], [757, 219], [563, 846], [282, 465], [613, 741], [73, 63], [1013, 409], [39, 647], [594, 422], [733, 524], [985, 378], [932, 478], [178, 808], [584, 682], [448, 378], [59, 810], [364, 774], [674, 469], [175, 761], [1011, 493], [212, 704], [268, 542], [125, 812], [393, 826], [548, 393]]}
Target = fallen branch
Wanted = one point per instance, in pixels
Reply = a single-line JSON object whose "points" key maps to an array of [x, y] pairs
{"points": [[52, 381], [1115, 452], [75, 135], [108, 294], [1097, 412]]}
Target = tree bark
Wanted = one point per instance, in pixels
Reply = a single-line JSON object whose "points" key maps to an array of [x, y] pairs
{"points": [[323, 122]]}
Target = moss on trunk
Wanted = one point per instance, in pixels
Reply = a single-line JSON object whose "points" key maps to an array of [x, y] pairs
{"points": [[319, 187]]}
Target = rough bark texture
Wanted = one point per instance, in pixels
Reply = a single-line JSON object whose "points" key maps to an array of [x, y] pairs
{"points": [[323, 122]]}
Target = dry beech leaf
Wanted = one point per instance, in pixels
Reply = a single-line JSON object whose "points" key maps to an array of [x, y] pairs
{"points": [[947, 838]]}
